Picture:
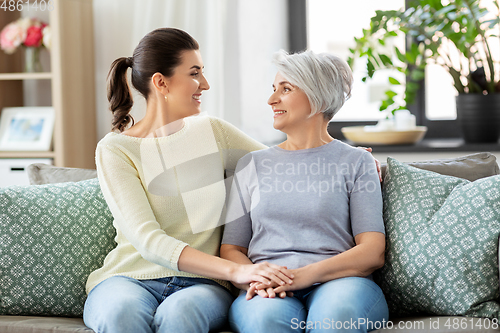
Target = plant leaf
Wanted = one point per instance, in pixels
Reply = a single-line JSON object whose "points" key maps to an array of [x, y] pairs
{"points": [[393, 81], [370, 68], [444, 10], [386, 60], [400, 55], [391, 94]]}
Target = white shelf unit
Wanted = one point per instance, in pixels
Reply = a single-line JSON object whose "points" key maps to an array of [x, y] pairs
{"points": [[71, 83]]}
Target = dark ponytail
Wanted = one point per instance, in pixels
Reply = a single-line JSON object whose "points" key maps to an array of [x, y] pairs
{"points": [[119, 94], [159, 51]]}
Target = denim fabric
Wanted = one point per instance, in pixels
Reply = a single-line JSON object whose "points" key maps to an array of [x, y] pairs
{"points": [[174, 304], [351, 304]]}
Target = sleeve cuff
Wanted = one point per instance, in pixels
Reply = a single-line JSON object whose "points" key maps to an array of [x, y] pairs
{"points": [[176, 253]]}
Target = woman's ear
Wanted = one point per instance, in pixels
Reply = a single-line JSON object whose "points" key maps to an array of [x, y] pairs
{"points": [[160, 83]]}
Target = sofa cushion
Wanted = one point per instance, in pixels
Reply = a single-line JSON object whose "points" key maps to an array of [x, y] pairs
{"points": [[51, 238], [470, 167], [40, 173], [442, 243]]}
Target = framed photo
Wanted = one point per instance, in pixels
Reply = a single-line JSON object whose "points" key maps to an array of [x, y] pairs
{"points": [[26, 128]]}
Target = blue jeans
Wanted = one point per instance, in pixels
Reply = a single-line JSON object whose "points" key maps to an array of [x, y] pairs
{"points": [[351, 304], [175, 304]]}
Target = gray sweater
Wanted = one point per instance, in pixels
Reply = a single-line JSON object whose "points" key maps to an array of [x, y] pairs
{"points": [[294, 208]]}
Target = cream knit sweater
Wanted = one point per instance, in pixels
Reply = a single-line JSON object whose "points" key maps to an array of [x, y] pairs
{"points": [[166, 193]]}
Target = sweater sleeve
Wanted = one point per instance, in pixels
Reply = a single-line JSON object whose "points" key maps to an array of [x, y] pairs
{"points": [[235, 143], [132, 212]]}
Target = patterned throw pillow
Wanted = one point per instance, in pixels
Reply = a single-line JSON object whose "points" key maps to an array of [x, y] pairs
{"points": [[51, 238], [442, 243]]}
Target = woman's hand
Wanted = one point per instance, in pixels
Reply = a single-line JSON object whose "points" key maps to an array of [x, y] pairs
{"points": [[265, 292], [301, 279], [265, 273]]}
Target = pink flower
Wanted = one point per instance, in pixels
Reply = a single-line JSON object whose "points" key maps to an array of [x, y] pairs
{"points": [[24, 23], [25, 31], [34, 36], [11, 37]]}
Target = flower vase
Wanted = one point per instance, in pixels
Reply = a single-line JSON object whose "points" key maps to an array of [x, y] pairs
{"points": [[33, 64]]}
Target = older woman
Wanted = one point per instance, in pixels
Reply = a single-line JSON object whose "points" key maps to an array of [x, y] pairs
{"points": [[312, 204]]}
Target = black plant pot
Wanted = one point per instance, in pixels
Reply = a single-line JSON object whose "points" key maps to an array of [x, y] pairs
{"points": [[479, 117]]}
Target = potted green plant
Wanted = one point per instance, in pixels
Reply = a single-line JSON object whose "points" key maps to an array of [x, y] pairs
{"points": [[456, 34]]}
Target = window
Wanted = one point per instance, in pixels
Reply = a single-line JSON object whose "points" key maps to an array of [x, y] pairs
{"points": [[440, 94], [331, 26]]}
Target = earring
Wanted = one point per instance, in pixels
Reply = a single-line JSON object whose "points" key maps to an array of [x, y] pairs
{"points": [[166, 98]]}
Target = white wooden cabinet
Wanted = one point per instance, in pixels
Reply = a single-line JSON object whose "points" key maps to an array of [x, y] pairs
{"points": [[71, 83]]}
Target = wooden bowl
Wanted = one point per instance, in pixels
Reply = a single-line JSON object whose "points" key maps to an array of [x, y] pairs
{"points": [[358, 135]]}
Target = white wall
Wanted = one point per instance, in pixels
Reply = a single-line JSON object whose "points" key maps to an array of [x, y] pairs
{"points": [[263, 25]]}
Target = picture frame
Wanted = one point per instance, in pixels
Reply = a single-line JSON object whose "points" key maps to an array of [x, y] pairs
{"points": [[26, 128]]}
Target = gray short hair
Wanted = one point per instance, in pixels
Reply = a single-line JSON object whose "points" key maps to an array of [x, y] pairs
{"points": [[326, 79]]}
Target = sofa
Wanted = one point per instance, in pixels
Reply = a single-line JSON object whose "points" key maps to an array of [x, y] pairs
{"points": [[54, 232]]}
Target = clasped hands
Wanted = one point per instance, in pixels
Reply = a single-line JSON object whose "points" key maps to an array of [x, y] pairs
{"points": [[279, 282]]}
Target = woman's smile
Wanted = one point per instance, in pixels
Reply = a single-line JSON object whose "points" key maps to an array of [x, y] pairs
{"points": [[278, 113]]}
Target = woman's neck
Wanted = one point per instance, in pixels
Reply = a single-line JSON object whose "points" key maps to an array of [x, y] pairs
{"points": [[156, 123], [298, 143], [306, 137]]}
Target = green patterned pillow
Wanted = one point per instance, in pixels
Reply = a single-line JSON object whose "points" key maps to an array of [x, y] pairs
{"points": [[51, 238], [442, 243]]}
